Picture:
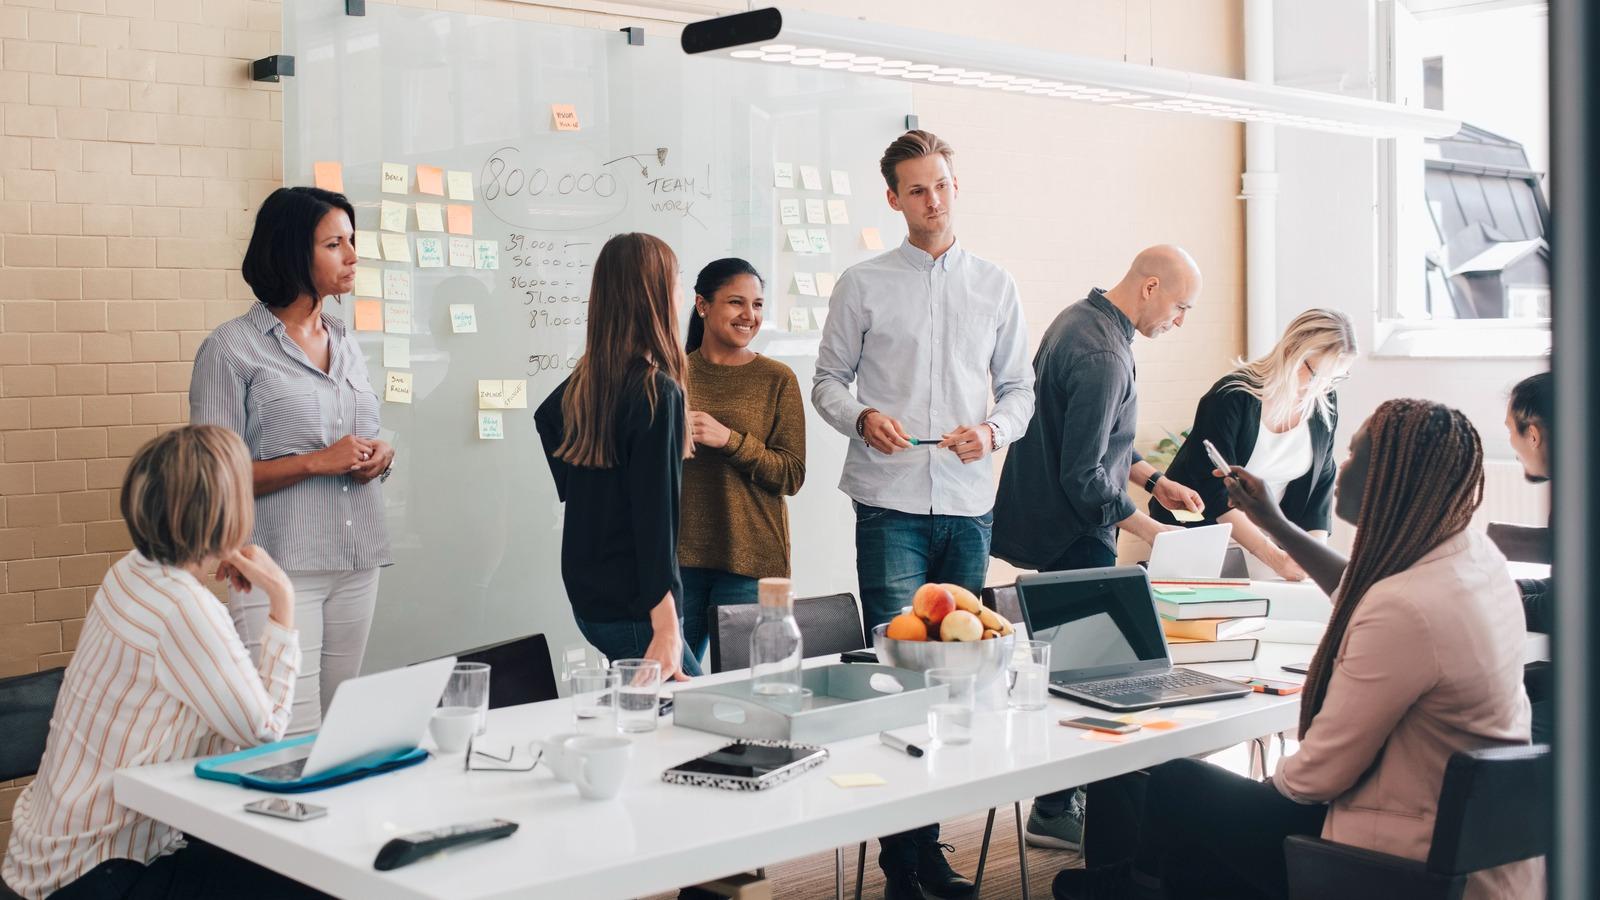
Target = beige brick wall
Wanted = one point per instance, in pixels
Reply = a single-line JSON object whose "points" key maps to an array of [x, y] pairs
{"points": [[134, 149]]}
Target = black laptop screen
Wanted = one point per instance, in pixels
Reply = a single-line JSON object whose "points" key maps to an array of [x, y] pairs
{"points": [[1098, 623]]}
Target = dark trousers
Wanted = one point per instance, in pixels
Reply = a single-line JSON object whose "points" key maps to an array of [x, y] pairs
{"points": [[896, 553], [629, 640], [1203, 831], [703, 591], [1086, 552], [198, 871]]}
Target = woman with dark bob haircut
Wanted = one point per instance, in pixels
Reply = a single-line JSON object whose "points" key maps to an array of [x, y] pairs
{"points": [[289, 378]]}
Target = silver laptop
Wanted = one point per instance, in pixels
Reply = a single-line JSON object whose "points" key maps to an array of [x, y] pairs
{"points": [[373, 716], [1191, 553], [1106, 644]]}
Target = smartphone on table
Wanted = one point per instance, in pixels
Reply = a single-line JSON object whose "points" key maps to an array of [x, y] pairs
{"points": [[284, 808], [1109, 726], [1268, 685]]}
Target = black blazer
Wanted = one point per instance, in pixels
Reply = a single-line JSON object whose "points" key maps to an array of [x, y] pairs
{"points": [[1230, 418]]}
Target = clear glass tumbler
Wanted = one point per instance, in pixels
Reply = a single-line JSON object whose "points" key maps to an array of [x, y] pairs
{"points": [[950, 718], [469, 686], [594, 700], [638, 687], [1028, 675]]}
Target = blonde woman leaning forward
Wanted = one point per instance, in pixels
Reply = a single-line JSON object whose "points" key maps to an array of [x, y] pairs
{"points": [[1275, 416], [160, 675]]}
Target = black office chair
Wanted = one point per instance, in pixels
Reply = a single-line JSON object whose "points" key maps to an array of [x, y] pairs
{"points": [[829, 625], [1003, 599], [1494, 808], [519, 670], [26, 704]]}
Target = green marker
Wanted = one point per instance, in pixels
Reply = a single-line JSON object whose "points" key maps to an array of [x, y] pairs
{"points": [[917, 441]]}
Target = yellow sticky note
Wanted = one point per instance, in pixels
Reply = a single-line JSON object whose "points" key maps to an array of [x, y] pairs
{"points": [[825, 282], [1185, 515], [397, 317], [1103, 737], [396, 285], [460, 218], [870, 239], [461, 252], [396, 247], [369, 281], [430, 180], [488, 254], [397, 387], [329, 176], [564, 116], [430, 217], [838, 212], [367, 245], [392, 216], [460, 184], [396, 178], [463, 318], [491, 426], [396, 352], [369, 315], [860, 780], [494, 393]]}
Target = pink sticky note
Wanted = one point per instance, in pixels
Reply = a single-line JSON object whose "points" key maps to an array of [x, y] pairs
{"points": [[329, 176], [564, 116], [430, 180], [458, 217], [369, 315]]}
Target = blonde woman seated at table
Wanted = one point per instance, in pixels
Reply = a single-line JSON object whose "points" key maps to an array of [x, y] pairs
{"points": [[160, 675], [1422, 658], [1275, 416]]}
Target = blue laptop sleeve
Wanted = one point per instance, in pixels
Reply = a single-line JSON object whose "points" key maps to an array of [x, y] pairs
{"points": [[354, 770]]}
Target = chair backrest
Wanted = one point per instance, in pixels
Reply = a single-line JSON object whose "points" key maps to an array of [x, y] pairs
{"points": [[1494, 809], [519, 670], [26, 704], [828, 625], [1002, 598]]}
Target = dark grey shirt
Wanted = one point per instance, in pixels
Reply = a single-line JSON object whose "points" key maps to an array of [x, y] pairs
{"points": [[1067, 477], [250, 376]]}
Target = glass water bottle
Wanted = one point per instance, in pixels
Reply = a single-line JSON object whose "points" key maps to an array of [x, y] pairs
{"points": [[775, 642]]}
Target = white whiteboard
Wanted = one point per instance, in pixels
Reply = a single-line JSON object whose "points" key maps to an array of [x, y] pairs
{"points": [[679, 147]]}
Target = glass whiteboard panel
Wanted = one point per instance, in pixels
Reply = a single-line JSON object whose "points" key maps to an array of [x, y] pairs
{"points": [[679, 147]]}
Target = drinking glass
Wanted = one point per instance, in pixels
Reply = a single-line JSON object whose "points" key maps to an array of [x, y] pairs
{"points": [[638, 687], [950, 719], [580, 656], [594, 699], [1028, 675], [469, 686]]}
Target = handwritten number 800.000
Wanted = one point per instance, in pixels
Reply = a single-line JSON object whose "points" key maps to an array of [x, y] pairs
{"points": [[500, 176]]}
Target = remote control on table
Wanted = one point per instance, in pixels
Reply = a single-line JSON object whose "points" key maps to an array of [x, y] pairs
{"points": [[408, 848]]}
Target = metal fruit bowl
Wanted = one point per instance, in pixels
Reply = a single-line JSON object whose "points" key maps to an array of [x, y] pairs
{"points": [[986, 659]]}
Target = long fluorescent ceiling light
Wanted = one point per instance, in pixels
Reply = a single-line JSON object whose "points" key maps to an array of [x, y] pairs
{"points": [[779, 36]]}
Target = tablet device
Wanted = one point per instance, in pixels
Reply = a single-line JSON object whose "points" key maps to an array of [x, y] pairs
{"points": [[747, 765]]}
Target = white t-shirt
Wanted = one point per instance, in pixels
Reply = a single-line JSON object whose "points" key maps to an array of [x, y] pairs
{"points": [[1279, 459]]}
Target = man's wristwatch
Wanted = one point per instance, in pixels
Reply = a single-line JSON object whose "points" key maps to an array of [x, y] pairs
{"points": [[994, 436], [1150, 483], [384, 476]]}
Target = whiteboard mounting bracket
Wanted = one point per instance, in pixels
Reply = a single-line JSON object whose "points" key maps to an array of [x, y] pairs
{"points": [[635, 35], [272, 68], [355, 7]]}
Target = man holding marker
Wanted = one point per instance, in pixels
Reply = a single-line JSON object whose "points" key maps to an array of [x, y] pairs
{"points": [[926, 332]]}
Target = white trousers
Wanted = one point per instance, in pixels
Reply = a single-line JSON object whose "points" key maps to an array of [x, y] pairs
{"points": [[333, 614]]}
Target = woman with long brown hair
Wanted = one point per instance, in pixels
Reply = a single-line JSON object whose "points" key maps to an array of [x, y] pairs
{"points": [[1422, 658], [615, 436]]}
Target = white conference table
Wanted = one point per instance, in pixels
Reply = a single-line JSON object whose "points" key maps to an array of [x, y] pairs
{"points": [[657, 836]]}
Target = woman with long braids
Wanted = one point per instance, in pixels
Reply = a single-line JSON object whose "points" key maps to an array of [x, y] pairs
{"points": [[1422, 658]]}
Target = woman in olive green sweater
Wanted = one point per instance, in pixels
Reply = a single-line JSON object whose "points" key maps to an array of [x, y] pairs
{"points": [[750, 452]]}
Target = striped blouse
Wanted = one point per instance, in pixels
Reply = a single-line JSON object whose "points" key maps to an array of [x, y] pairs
{"points": [[159, 675], [251, 377]]}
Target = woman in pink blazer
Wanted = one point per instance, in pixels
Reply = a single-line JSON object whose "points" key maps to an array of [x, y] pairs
{"points": [[1422, 658]]}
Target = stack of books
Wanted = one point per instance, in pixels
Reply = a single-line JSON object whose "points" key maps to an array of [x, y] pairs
{"points": [[1210, 624]]}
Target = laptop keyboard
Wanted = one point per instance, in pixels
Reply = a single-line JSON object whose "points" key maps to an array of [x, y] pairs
{"points": [[1177, 678], [288, 771]]}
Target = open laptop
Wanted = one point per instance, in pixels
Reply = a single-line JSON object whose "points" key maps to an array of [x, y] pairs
{"points": [[373, 716], [1191, 554], [1106, 644]]}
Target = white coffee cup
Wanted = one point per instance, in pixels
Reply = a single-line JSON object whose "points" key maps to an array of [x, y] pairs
{"points": [[452, 727], [598, 764], [556, 756]]}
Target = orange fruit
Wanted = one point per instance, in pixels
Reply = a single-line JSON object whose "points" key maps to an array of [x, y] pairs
{"points": [[907, 627]]}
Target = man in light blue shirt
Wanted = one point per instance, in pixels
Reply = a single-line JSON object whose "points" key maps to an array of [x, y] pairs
{"points": [[927, 333]]}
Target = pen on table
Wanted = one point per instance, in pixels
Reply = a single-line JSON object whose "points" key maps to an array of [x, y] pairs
{"points": [[899, 743]]}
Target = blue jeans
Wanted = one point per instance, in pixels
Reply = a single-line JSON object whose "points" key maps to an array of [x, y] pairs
{"points": [[628, 640], [896, 553], [702, 590]]}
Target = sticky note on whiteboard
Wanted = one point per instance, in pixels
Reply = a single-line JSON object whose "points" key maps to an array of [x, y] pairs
{"points": [[461, 252], [838, 212], [369, 281], [460, 218], [430, 180], [430, 252], [367, 245], [564, 116], [804, 284], [841, 181], [799, 319], [871, 239], [783, 175], [491, 426], [396, 285], [816, 212], [430, 217], [396, 352], [396, 178], [460, 184], [463, 318], [789, 211], [392, 216], [397, 317], [396, 247], [811, 178], [798, 241], [397, 387], [369, 315], [329, 176]]}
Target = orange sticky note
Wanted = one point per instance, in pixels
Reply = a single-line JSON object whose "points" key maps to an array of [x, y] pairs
{"points": [[369, 315], [458, 218], [329, 176], [1161, 724], [564, 116], [430, 180]]}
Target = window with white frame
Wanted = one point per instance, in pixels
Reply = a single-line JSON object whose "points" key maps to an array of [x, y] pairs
{"points": [[1466, 218]]}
